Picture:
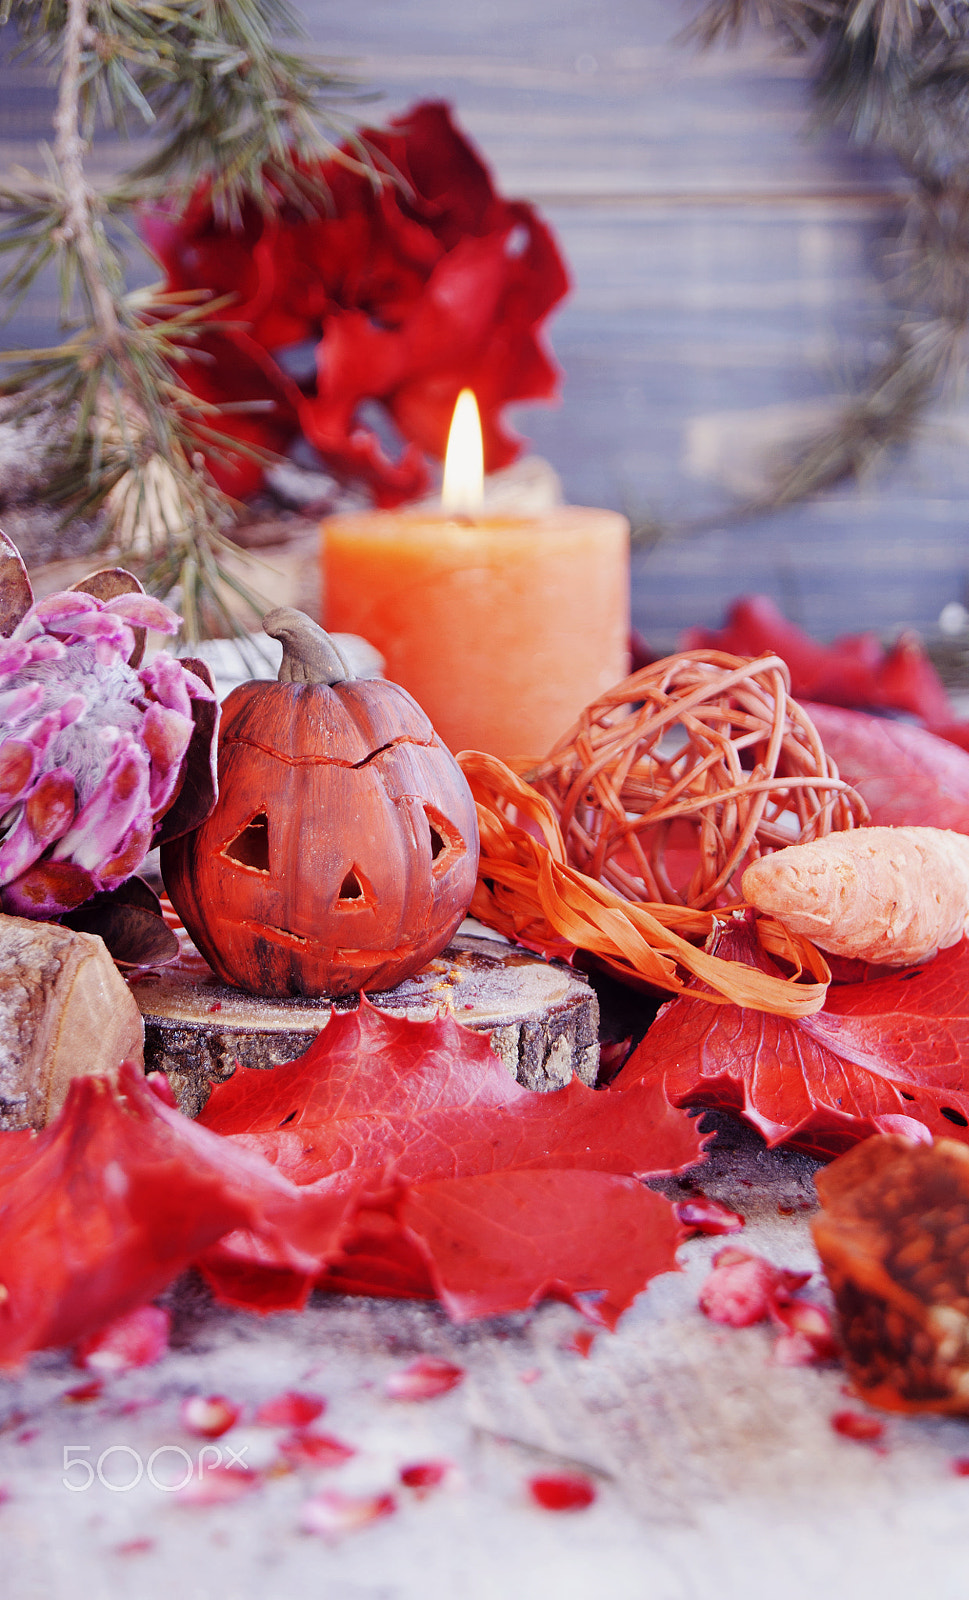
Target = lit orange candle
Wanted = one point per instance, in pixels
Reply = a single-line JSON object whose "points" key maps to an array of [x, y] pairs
{"points": [[503, 628]]}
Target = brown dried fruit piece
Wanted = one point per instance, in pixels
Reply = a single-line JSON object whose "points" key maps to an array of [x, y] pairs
{"points": [[893, 1236]]}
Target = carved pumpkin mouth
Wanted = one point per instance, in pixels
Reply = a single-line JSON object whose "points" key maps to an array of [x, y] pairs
{"points": [[265, 930]]}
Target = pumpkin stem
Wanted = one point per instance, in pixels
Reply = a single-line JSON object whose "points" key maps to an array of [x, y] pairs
{"points": [[309, 654]]}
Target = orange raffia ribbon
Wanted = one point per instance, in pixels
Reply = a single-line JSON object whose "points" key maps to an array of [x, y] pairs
{"points": [[527, 890]]}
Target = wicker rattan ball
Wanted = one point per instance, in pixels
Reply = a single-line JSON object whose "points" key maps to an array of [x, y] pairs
{"points": [[672, 782]]}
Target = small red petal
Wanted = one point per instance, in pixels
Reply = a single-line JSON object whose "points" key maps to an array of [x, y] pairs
{"points": [[332, 1514], [424, 1475], [208, 1416], [562, 1492], [581, 1342], [135, 1340], [702, 1215], [83, 1392], [806, 1326], [530, 1375], [134, 1547], [856, 1425], [218, 1486], [424, 1379], [291, 1410], [307, 1449], [739, 1291], [960, 1466]]}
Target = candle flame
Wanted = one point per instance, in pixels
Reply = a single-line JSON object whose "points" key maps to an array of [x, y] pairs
{"points": [[462, 492]]}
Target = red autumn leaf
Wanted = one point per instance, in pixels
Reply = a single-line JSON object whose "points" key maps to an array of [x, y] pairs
{"points": [[103, 1208], [573, 1233], [906, 774], [469, 1187], [408, 292], [855, 670], [377, 1095], [889, 1053]]}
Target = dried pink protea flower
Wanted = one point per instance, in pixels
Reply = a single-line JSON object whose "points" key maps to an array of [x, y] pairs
{"points": [[93, 749]]}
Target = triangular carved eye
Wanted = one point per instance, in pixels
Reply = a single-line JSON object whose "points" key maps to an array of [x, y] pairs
{"points": [[446, 842], [355, 891], [250, 847]]}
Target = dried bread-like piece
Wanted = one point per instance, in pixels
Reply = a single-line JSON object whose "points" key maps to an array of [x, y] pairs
{"points": [[892, 895], [893, 1236]]}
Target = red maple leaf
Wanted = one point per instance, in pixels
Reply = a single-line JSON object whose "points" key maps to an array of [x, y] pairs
{"points": [[906, 774], [474, 1189], [103, 1208], [889, 1054]]}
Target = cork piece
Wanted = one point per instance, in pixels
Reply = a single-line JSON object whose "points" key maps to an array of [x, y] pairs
{"points": [[543, 1018], [65, 1011]]}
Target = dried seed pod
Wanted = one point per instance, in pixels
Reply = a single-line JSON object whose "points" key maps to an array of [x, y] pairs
{"points": [[893, 1236]]}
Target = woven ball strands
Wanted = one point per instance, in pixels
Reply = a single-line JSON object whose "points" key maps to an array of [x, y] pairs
{"points": [[672, 781]]}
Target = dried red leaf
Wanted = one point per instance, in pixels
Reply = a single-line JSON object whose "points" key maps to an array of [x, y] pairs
{"points": [[887, 1054], [105, 1206], [562, 1491], [855, 670], [857, 1425], [424, 1379], [905, 773], [430, 1106], [139, 1338], [290, 1410], [699, 1214], [208, 1416], [333, 1514]]}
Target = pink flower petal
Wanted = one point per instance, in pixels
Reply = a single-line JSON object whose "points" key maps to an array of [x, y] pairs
{"points": [[165, 734], [333, 1514], [119, 801], [47, 814], [424, 1379], [563, 1491], [137, 1339], [208, 1416], [290, 1410], [143, 611]]}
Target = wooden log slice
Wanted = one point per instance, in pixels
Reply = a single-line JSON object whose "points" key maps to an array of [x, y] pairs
{"points": [[542, 1017]]}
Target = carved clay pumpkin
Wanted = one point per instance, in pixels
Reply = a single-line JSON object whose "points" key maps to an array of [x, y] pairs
{"points": [[343, 848]]}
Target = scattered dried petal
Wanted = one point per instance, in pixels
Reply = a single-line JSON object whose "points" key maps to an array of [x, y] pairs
{"points": [[332, 1514], [304, 1448], [82, 1393], [137, 1339], [208, 1416], [290, 1410], [564, 1491], [424, 1379], [217, 1486], [857, 1425], [422, 1476], [702, 1215]]}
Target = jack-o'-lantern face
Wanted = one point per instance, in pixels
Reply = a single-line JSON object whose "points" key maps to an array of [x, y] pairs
{"points": [[342, 851]]}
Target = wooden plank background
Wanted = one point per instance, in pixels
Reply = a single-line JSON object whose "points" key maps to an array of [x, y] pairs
{"points": [[726, 263]]}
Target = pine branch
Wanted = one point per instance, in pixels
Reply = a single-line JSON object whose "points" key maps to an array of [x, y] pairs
{"points": [[895, 74], [226, 104]]}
